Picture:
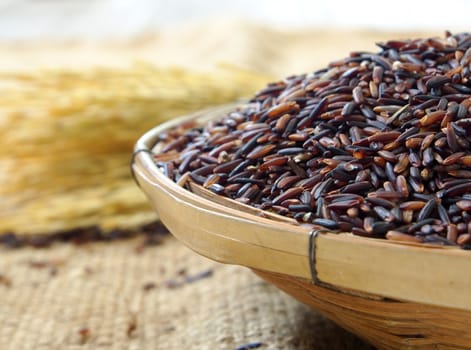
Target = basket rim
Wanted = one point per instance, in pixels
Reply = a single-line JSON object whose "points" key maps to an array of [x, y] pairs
{"points": [[335, 259]]}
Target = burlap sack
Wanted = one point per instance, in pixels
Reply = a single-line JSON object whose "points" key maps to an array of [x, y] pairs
{"points": [[123, 295]]}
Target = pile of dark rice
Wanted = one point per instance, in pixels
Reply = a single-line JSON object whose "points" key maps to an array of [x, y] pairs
{"points": [[377, 144]]}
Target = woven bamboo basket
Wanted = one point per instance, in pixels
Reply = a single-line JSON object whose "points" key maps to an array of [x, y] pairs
{"points": [[393, 295]]}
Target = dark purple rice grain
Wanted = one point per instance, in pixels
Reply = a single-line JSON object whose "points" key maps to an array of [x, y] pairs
{"points": [[291, 151], [443, 215], [357, 187], [286, 181], [360, 232], [321, 188], [244, 180], [217, 188], [451, 138], [455, 190], [349, 108], [249, 146], [414, 159], [298, 170], [379, 228], [437, 81], [381, 202], [419, 224], [243, 189], [299, 208], [330, 224], [384, 214], [368, 112], [427, 210]]}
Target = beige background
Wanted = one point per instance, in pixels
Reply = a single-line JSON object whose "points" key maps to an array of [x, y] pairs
{"points": [[119, 295], [202, 46]]}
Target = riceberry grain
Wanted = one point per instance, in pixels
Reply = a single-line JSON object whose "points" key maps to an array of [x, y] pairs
{"points": [[378, 144]]}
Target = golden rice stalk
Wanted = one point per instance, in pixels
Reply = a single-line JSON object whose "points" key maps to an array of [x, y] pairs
{"points": [[67, 138]]}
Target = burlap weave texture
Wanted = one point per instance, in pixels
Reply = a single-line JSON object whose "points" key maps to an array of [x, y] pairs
{"points": [[122, 295]]}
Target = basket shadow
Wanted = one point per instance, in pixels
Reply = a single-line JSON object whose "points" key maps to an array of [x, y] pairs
{"points": [[314, 331]]}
